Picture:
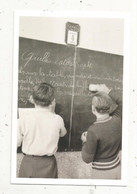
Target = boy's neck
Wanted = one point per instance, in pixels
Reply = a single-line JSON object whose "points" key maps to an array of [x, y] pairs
{"points": [[102, 117], [50, 108], [42, 107]]}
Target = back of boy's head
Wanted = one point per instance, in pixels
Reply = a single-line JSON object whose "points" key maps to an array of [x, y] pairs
{"points": [[43, 94], [103, 103]]}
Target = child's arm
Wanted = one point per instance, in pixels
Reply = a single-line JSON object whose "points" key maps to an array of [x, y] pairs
{"points": [[89, 147], [63, 130], [117, 97], [19, 134]]}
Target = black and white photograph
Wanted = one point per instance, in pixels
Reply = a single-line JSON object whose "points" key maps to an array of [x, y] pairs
{"points": [[70, 94]]}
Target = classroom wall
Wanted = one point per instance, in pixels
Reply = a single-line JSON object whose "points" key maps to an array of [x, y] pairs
{"points": [[6, 62], [94, 34]]}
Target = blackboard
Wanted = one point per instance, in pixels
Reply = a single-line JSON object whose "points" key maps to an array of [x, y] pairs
{"points": [[70, 70]]}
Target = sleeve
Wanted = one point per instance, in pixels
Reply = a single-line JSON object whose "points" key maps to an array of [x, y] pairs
{"points": [[117, 98], [89, 147], [63, 130], [19, 133]]}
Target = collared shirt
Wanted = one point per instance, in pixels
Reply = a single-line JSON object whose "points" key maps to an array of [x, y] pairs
{"points": [[39, 131]]}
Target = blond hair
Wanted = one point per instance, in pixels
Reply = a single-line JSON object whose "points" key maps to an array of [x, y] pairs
{"points": [[103, 103]]}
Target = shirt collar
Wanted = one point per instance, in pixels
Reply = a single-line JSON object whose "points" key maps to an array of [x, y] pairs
{"points": [[103, 121]]}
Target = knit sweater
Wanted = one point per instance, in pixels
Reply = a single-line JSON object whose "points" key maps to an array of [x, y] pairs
{"points": [[104, 137]]}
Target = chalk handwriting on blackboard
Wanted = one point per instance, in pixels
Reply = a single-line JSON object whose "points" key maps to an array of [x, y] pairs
{"points": [[23, 72], [30, 78], [30, 56], [60, 73], [70, 71], [23, 100]]}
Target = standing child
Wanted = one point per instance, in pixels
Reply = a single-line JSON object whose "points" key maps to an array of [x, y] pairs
{"points": [[39, 132], [102, 142]]}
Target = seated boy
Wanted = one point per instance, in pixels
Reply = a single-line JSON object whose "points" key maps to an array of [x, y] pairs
{"points": [[102, 142], [39, 132]]}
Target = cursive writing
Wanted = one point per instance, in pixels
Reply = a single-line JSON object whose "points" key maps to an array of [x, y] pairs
{"points": [[30, 56]]}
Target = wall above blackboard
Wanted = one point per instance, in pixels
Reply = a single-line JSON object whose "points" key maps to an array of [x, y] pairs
{"points": [[70, 70]]}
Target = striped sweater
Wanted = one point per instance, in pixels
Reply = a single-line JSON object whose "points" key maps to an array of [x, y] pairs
{"points": [[104, 138]]}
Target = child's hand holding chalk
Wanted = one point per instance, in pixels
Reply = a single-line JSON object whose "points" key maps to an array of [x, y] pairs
{"points": [[99, 88], [93, 87]]}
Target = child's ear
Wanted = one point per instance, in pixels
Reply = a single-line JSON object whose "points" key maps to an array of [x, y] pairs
{"points": [[31, 99], [52, 105], [113, 107], [54, 101]]}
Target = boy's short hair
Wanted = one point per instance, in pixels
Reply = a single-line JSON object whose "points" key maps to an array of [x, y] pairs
{"points": [[103, 103], [43, 94]]}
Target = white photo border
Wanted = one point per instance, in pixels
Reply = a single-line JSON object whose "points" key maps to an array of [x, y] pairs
{"points": [[88, 182]]}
